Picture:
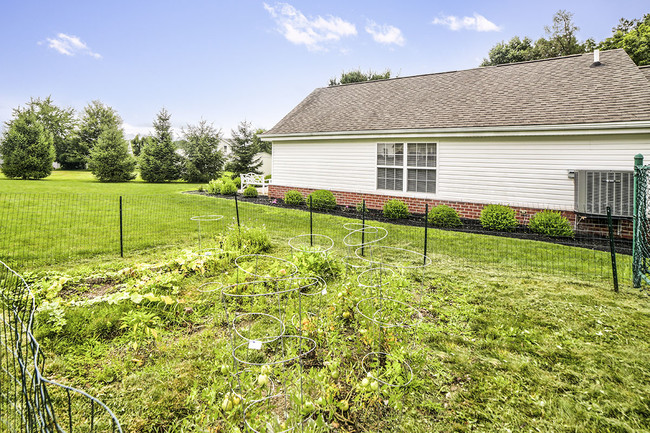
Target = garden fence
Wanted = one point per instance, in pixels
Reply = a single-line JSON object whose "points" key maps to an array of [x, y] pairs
{"points": [[42, 229], [30, 403]]}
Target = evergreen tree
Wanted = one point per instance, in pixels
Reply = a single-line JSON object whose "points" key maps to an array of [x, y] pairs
{"points": [[244, 151], [262, 146], [61, 123], [159, 161], [110, 160], [138, 143], [96, 118], [27, 147], [203, 159]]}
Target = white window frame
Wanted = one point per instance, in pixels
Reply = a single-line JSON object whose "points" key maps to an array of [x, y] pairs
{"points": [[433, 168], [405, 167]]}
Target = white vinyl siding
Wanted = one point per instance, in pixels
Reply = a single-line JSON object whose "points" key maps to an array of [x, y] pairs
{"points": [[520, 171]]}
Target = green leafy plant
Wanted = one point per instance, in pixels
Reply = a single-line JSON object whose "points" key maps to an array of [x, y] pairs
{"points": [[250, 191], [237, 182], [318, 264], [444, 216], [498, 217], [140, 326], [293, 198], [214, 186], [267, 177], [551, 223], [396, 209], [361, 207], [229, 188], [322, 199], [251, 240]]}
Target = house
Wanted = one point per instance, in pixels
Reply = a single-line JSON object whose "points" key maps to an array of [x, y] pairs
{"points": [[225, 145], [558, 134]]}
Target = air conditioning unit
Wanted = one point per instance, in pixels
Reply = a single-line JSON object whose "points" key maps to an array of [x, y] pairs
{"points": [[597, 189]]}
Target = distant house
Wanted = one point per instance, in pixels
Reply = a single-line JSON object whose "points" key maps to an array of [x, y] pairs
{"points": [[558, 133], [267, 165]]}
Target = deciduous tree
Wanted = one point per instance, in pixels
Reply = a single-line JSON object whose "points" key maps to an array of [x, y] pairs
{"points": [[96, 118], [356, 76], [634, 37]]}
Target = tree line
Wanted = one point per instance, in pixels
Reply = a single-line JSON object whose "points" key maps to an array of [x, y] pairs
{"points": [[561, 40], [42, 133]]}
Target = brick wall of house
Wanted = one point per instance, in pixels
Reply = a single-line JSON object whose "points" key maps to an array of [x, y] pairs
{"points": [[598, 226]]}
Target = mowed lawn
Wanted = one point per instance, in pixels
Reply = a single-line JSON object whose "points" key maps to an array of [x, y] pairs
{"points": [[505, 346]]}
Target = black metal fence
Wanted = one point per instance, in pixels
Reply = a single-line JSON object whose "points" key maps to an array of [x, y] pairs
{"points": [[39, 229]]}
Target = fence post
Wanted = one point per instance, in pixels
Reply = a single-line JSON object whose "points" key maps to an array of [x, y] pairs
{"points": [[363, 225], [636, 262], [426, 228], [311, 222], [121, 231], [237, 213], [612, 248]]}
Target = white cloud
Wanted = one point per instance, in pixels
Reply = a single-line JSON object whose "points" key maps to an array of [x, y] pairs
{"points": [[311, 32], [70, 46], [385, 34], [131, 131], [478, 23]]}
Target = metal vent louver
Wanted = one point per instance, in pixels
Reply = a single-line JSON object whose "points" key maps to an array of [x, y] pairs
{"points": [[597, 189]]}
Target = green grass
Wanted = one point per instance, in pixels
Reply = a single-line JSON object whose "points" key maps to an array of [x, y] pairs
{"points": [[496, 351], [516, 335], [83, 182]]}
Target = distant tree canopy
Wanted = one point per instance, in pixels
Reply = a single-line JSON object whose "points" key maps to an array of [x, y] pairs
{"points": [[357, 76], [634, 37], [61, 123], [96, 118], [561, 40]]}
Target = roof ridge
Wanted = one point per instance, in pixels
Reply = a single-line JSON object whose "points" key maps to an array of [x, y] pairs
{"points": [[468, 69]]}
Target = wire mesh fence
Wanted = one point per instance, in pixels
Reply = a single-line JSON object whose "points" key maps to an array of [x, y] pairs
{"points": [[41, 229], [30, 403]]}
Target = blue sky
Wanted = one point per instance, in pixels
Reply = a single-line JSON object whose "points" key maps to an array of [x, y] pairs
{"points": [[227, 61]]}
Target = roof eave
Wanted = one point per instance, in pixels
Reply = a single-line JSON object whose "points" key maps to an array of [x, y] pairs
{"points": [[630, 127]]}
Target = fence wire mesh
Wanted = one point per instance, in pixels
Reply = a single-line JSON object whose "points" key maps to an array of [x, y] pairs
{"points": [[641, 226], [41, 229], [30, 403]]}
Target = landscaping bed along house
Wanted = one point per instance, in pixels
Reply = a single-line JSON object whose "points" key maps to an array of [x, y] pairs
{"points": [[577, 239]]}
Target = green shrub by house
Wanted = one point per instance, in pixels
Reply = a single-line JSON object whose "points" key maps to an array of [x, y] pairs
{"points": [[444, 216], [551, 223], [322, 199], [293, 198], [228, 188], [237, 181], [498, 217], [214, 186], [360, 207], [396, 209], [250, 191]]}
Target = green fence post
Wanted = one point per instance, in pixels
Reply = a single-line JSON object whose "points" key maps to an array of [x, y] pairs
{"points": [[636, 261], [363, 225], [311, 222], [426, 228], [121, 231], [612, 247]]}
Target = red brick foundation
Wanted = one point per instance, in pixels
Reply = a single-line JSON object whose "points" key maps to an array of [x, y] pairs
{"points": [[598, 226]]}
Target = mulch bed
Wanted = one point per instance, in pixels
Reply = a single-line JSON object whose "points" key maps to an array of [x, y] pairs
{"points": [[583, 240]]}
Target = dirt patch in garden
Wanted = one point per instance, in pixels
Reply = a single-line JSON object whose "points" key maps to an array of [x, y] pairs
{"points": [[581, 239]]}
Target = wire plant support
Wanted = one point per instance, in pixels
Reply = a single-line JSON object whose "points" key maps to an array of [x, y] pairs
{"points": [[30, 403], [205, 219]]}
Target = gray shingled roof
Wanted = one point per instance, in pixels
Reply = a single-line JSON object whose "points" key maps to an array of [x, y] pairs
{"points": [[646, 71], [564, 90]]}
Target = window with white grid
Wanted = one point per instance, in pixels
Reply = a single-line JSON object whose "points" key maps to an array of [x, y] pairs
{"points": [[421, 162], [390, 166]]}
